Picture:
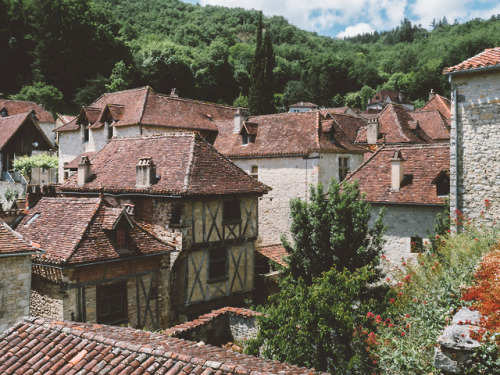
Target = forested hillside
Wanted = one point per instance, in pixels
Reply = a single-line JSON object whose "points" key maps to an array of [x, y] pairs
{"points": [[86, 47]]}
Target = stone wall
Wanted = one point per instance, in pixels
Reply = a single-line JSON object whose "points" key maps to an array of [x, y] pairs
{"points": [[15, 284], [478, 123], [70, 146], [404, 222]]}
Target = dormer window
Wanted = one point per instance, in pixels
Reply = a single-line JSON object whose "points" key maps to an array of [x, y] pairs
{"points": [[248, 132], [245, 138], [85, 132], [121, 238]]}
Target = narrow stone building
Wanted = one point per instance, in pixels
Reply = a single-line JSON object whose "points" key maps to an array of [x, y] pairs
{"points": [[475, 140], [15, 276]]}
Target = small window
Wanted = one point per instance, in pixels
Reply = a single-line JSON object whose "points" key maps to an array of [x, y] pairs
{"points": [[443, 186], [245, 138], [217, 266], [416, 245], [176, 214], [343, 168], [254, 171], [85, 133], [231, 211], [109, 130], [121, 238], [112, 303]]}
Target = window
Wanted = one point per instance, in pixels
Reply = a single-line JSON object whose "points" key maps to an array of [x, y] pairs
{"points": [[416, 245], [443, 186], [85, 132], [254, 171], [112, 303], [121, 238], [245, 138], [343, 168], [217, 265], [231, 211], [176, 214], [109, 130]]}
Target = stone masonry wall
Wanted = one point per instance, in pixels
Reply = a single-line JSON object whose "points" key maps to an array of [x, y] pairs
{"points": [[404, 222], [15, 284], [478, 122], [70, 146]]}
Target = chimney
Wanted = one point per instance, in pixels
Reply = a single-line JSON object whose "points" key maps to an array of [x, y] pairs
{"points": [[372, 131], [397, 170], [84, 170], [401, 97], [238, 121], [174, 93], [145, 173], [432, 94]]}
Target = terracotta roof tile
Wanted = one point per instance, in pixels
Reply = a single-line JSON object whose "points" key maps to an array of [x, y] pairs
{"points": [[185, 163], [276, 253], [12, 242], [433, 123], [438, 103], [488, 58], [142, 106], [126, 351], [423, 163], [289, 134], [394, 96], [16, 107], [76, 230], [73, 164]]}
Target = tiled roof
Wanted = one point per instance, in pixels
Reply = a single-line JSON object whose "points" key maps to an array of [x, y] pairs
{"points": [[142, 106], [185, 163], [303, 104], [42, 346], [383, 95], [73, 164], [488, 58], [399, 126], [439, 103], [274, 252], [289, 134], [423, 163], [16, 107], [433, 123], [74, 230], [181, 329], [13, 243], [10, 125]]}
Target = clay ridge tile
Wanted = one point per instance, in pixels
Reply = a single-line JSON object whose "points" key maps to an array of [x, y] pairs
{"points": [[489, 57]]}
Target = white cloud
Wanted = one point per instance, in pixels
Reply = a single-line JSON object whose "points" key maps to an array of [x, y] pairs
{"points": [[360, 28]]}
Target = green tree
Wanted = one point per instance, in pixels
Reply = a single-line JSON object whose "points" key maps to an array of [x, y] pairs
{"points": [[333, 231], [261, 93], [119, 79], [313, 325], [41, 93]]}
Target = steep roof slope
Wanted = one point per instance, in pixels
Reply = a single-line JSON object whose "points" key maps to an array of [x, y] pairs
{"points": [[185, 163], [488, 58], [16, 107], [70, 348], [74, 231], [11, 125], [422, 165], [13, 243], [289, 134]]}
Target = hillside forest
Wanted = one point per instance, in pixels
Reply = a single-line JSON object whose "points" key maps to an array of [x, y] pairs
{"points": [[69, 52]]}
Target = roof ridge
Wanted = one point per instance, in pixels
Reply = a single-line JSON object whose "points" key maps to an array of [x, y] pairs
{"points": [[400, 126], [167, 96], [144, 104], [115, 92]]}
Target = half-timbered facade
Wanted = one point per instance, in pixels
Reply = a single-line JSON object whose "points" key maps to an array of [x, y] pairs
{"points": [[99, 265], [179, 187]]}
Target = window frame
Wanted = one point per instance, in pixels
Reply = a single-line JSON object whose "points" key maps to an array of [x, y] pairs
{"points": [[343, 169], [217, 264], [109, 294], [231, 211], [254, 171]]}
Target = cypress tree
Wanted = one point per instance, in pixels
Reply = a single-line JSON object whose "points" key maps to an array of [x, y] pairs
{"points": [[261, 93]]}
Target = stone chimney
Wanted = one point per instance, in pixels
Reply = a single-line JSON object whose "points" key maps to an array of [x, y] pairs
{"points": [[145, 173], [174, 93], [401, 96], [372, 131], [397, 170], [84, 170], [238, 121], [432, 94]]}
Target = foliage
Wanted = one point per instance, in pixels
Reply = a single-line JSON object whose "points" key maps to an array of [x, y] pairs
{"points": [[11, 195], [119, 78], [333, 231], [261, 93], [25, 164], [425, 293], [442, 225], [41, 93], [313, 326]]}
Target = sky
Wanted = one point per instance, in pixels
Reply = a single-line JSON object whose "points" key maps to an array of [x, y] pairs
{"points": [[340, 18]]}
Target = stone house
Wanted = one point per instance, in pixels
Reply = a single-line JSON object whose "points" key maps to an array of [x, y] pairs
{"points": [[384, 97], [15, 276], [64, 347], [135, 112], [412, 182], [302, 107], [42, 117], [183, 190], [289, 152], [475, 150], [99, 266]]}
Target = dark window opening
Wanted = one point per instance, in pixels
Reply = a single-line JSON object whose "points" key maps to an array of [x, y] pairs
{"points": [[110, 131], [85, 133], [416, 245], [112, 303], [254, 171], [217, 267], [245, 138], [231, 211], [343, 168], [443, 186], [176, 214]]}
